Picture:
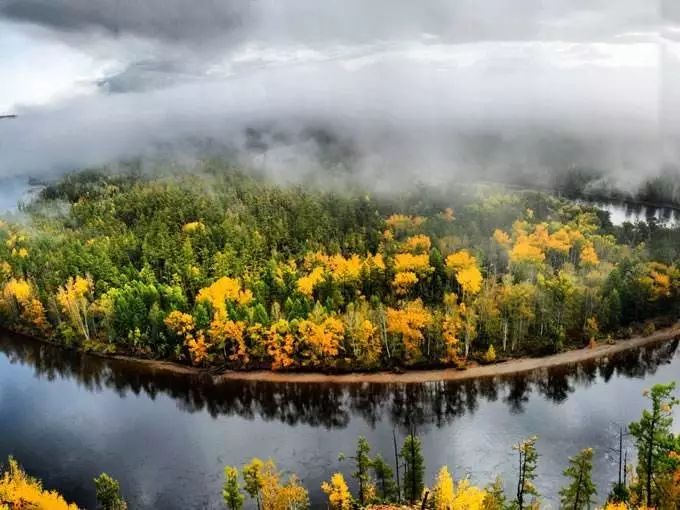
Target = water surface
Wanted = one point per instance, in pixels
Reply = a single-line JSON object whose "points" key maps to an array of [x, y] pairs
{"points": [[69, 416], [621, 212]]}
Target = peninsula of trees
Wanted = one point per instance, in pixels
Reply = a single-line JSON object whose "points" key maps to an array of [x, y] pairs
{"points": [[225, 269]]}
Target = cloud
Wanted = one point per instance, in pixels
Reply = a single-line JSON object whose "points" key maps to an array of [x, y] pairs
{"points": [[388, 89], [313, 22]]}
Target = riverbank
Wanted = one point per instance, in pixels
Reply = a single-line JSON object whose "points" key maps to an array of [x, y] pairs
{"points": [[513, 366]]}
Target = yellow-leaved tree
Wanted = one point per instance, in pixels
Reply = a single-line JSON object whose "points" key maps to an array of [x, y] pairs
{"points": [[452, 325], [447, 495], [589, 256], [74, 301], [339, 497], [417, 244], [224, 334], [223, 291], [20, 491], [280, 344], [443, 492], [465, 268], [19, 302], [409, 323], [182, 324], [229, 336], [321, 338], [363, 335], [278, 495], [469, 278]]}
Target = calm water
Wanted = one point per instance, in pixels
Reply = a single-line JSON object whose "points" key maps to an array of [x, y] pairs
{"points": [[620, 212], [68, 417]]}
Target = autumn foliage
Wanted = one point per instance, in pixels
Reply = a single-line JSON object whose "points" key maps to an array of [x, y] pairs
{"points": [[18, 491], [256, 275]]}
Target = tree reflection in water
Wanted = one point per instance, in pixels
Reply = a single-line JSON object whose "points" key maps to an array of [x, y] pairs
{"points": [[330, 405]]}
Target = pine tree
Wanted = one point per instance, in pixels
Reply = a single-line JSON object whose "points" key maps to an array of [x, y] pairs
{"points": [[495, 496], [108, 495], [578, 495], [231, 490], [655, 441], [414, 467], [527, 471], [362, 461], [384, 475]]}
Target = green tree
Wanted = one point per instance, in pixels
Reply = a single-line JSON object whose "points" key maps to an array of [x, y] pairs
{"points": [[578, 495], [252, 476], [384, 476], [494, 499], [655, 442], [528, 458], [362, 462], [414, 467], [231, 490], [107, 490]]}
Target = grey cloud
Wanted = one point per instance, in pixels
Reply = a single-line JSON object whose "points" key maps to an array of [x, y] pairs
{"points": [[387, 89], [150, 74], [312, 22], [391, 118], [169, 19], [670, 10]]}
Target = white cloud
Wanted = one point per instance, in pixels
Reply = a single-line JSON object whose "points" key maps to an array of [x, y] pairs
{"points": [[36, 71]]}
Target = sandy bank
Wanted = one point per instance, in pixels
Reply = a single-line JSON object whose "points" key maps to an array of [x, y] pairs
{"points": [[509, 367], [416, 376]]}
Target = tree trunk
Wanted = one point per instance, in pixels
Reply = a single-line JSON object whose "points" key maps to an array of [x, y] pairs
{"points": [[520, 484], [396, 462], [505, 335], [423, 505], [578, 489], [650, 457]]}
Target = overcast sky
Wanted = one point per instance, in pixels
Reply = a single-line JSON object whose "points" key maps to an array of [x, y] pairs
{"points": [[393, 88]]}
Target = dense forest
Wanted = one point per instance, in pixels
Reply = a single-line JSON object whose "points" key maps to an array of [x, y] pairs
{"points": [[219, 268], [399, 482]]}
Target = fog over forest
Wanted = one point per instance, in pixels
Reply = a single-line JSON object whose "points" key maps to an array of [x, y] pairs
{"points": [[388, 91]]}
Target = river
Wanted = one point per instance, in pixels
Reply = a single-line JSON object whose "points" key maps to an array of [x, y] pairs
{"points": [[166, 437], [621, 212]]}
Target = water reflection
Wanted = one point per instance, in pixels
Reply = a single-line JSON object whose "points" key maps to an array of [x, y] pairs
{"points": [[632, 212], [330, 405]]}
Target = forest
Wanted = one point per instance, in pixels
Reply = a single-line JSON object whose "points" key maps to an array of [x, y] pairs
{"points": [[217, 268], [384, 483]]}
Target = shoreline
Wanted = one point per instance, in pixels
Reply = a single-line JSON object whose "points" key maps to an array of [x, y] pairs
{"points": [[409, 376], [510, 367]]}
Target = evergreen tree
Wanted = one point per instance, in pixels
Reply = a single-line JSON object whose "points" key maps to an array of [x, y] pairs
{"points": [[362, 461], [655, 442], [495, 496], [414, 467], [578, 495], [528, 458], [108, 495], [384, 475], [231, 490]]}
